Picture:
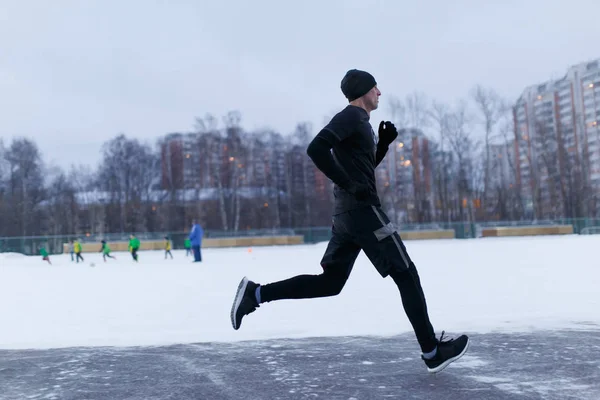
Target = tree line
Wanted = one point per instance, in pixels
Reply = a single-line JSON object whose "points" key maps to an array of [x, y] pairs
{"points": [[234, 180]]}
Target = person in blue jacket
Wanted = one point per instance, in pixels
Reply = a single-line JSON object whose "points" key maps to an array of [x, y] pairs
{"points": [[196, 239]]}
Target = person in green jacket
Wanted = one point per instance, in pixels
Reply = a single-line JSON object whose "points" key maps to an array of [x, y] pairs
{"points": [[187, 244], [105, 249], [134, 246], [45, 255]]}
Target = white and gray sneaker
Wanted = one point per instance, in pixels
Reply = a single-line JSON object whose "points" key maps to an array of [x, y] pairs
{"points": [[244, 302]]}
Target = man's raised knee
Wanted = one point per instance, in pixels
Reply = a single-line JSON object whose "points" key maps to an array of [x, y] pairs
{"points": [[336, 280]]}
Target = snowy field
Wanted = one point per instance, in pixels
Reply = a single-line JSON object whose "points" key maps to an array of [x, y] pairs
{"points": [[478, 286]]}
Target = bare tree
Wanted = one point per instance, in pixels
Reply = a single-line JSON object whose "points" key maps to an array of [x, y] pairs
{"points": [[465, 149], [25, 187], [302, 133], [4, 179], [233, 138], [526, 143], [276, 176], [412, 116], [510, 197], [88, 211], [490, 107], [437, 170], [439, 114], [398, 111], [575, 188], [546, 146], [61, 206], [301, 182], [417, 111], [126, 171], [217, 151], [584, 165]]}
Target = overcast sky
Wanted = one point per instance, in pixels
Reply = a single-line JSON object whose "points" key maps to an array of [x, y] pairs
{"points": [[76, 73]]}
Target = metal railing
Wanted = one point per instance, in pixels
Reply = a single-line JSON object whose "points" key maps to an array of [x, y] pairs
{"points": [[590, 230], [31, 245]]}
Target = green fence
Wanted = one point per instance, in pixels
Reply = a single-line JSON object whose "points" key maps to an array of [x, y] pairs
{"points": [[31, 245]]}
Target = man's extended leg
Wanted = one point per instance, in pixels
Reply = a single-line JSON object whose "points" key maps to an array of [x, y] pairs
{"points": [[337, 264], [384, 247], [415, 306]]}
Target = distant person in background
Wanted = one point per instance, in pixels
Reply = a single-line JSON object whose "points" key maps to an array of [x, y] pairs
{"points": [[134, 246], [71, 250], [188, 246], [196, 240], [105, 249], [45, 255], [168, 248], [77, 248]]}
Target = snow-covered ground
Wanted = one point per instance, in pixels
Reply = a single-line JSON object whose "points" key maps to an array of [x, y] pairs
{"points": [[482, 285]]}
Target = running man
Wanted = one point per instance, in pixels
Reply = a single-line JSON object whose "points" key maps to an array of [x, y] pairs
{"points": [[359, 223]]}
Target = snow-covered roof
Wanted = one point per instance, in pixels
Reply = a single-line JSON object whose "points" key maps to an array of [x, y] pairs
{"points": [[186, 195]]}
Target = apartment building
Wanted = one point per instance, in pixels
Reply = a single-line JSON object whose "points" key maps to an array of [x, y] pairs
{"points": [[556, 132], [502, 165], [180, 161]]}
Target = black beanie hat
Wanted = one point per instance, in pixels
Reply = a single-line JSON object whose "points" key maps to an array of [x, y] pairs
{"points": [[357, 83]]}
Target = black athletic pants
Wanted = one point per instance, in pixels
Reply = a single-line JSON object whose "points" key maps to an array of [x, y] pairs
{"points": [[78, 255], [370, 230]]}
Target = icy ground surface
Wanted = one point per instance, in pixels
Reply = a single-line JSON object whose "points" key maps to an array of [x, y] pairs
{"points": [[542, 365]]}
